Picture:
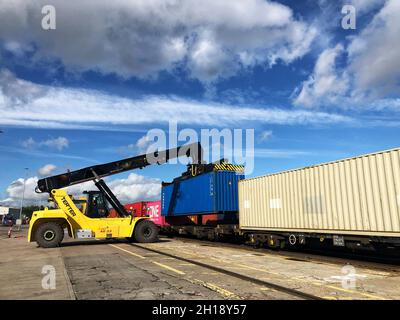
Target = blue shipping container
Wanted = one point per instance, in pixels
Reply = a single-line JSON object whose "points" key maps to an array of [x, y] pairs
{"points": [[213, 192]]}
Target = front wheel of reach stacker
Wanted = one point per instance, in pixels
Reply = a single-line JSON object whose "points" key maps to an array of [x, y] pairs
{"points": [[146, 231], [49, 235]]}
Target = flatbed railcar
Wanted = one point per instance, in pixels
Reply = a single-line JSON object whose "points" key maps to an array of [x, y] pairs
{"points": [[352, 203]]}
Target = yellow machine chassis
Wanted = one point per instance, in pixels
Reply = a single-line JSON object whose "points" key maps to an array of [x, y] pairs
{"points": [[70, 217]]}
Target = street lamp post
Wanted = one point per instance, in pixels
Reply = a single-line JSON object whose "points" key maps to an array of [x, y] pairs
{"points": [[23, 197]]}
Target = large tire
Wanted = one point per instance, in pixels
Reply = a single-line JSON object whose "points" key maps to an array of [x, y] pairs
{"points": [[49, 235], [146, 231]]}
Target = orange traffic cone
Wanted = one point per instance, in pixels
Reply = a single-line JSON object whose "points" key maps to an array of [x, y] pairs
{"points": [[9, 232]]}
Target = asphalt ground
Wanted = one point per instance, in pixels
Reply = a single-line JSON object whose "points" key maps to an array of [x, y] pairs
{"points": [[174, 269]]}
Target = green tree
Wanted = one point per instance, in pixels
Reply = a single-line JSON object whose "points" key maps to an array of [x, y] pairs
{"points": [[28, 210]]}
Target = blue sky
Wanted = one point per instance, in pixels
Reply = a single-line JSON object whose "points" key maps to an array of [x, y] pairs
{"points": [[89, 91]]}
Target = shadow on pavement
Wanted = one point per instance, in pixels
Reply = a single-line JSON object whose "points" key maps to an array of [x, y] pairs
{"points": [[99, 242]]}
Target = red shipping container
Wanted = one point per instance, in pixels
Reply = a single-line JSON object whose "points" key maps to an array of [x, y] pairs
{"points": [[112, 213], [138, 209], [151, 209], [154, 212]]}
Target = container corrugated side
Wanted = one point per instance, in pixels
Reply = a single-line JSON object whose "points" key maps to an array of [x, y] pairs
{"points": [[207, 193], [358, 195], [226, 190], [153, 210]]}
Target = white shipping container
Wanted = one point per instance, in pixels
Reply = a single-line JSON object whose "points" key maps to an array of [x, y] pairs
{"points": [[359, 196]]}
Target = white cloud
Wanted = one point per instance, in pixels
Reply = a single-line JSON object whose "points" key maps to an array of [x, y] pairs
{"points": [[47, 169], [93, 109], [143, 143], [208, 59], [210, 39], [325, 82], [17, 92], [140, 146], [386, 104], [136, 188], [133, 188], [368, 78], [59, 143], [364, 6], [15, 189], [374, 55], [266, 135], [29, 143]]}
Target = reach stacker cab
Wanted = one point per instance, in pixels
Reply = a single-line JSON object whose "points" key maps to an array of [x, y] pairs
{"points": [[87, 217]]}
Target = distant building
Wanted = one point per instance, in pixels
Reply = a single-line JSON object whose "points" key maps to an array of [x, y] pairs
{"points": [[7, 210]]}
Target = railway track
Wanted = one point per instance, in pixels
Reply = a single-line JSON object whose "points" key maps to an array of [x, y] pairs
{"points": [[270, 285], [329, 256]]}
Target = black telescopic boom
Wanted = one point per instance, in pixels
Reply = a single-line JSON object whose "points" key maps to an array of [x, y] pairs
{"points": [[110, 196], [194, 151]]}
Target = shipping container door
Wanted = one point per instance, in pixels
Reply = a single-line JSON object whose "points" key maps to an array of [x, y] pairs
{"points": [[226, 191]]}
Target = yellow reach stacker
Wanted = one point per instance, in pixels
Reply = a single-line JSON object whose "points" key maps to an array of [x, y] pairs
{"points": [[87, 217]]}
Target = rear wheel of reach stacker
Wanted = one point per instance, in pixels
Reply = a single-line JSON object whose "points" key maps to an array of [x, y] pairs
{"points": [[146, 231], [49, 235]]}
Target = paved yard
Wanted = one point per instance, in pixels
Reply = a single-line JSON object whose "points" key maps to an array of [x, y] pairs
{"points": [[95, 269]]}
